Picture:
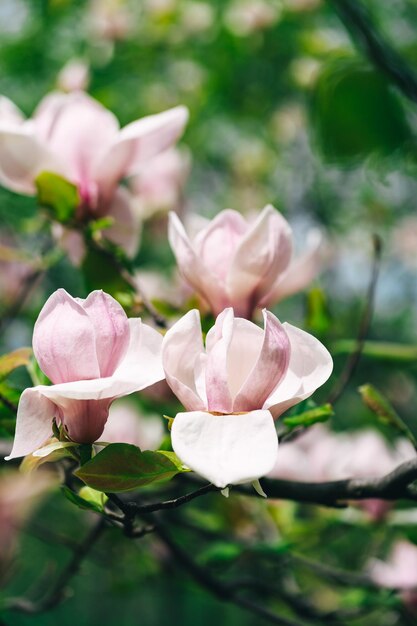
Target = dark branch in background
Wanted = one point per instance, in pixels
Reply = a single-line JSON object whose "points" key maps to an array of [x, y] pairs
{"points": [[58, 592], [358, 21], [123, 266], [353, 360], [337, 493]]}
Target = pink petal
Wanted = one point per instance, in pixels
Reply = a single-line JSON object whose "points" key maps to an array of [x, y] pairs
{"points": [[64, 340], [300, 273], [192, 267], [226, 449], [217, 345], [262, 255], [80, 130], [111, 329], [34, 423], [216, 245], [125, 232], [182, 353], [309, 367], [9, 113], [139, 142], [269, 369], [22, 158], [84, 420]]}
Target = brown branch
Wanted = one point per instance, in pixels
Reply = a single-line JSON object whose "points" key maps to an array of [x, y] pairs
{"points": [[353, 360], [337, 493], [358, 21], [58, 592]]}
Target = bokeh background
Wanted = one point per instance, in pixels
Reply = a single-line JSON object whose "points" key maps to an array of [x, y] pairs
{"points": [[284, 110]]}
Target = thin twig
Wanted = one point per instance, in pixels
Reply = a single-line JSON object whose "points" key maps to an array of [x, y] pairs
{"points": [[59, 589], [358, 21], [133, 508], [353, 360]]}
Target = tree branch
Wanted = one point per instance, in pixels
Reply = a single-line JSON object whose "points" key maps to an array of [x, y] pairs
{"points": [[358, 21], [353, 360]]}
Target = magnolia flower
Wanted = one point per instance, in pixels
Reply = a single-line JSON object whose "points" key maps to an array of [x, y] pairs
{"points": [[233, 262], [92, 354], [234, 387], [126, 425], [398, 572], [74, 136], [159, 184]]}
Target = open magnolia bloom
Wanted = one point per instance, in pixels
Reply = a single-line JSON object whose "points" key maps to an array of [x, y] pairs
{"points": [[234, 387], [74, 136], [92, 354], [243, 264]]}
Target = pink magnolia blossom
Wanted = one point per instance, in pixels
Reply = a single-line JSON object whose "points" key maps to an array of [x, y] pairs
{"points": [[233, 262], [159, 184], [74, 136], [126, 425], [399, 571], [233, 388], [92, 354]]}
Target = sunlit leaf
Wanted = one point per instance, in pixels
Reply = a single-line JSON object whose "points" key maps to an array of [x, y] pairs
{"points": [[58, 195], [13, 360], [308, 418], [121, 467]]}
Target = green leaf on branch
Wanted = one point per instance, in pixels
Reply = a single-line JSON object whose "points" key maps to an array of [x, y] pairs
{"points": [[308, 418], [57, 195], [382, 408], [122, 467], [87, 498], [13, 360], [318, 318]]}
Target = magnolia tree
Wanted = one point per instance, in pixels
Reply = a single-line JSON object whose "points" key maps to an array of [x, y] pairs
{"points": [[218, 460]]}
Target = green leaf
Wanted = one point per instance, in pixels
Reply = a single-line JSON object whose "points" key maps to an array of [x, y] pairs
{"points": [[308, 418], [95, 498], [57, 195], [382, 408], [13, 360], [89, 503], [122, 467], [318, 318], [348, 119], [51, 452]]}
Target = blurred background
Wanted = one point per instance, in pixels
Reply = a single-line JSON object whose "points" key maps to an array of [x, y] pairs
{"points": [[284, 110]]}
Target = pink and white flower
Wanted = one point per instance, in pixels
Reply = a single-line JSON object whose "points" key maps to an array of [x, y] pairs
{"points": [[234, 387], [243, 264], [74, 136], [92, 354]]}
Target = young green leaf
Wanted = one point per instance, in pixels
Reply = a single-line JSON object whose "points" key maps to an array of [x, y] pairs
{"points": [[57, 195], [122, 467], [382, 408], [308, 418], [13, 360]]}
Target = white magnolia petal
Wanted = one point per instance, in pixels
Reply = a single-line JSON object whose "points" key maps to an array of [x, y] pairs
{"points": [[182, 358], [33, 424], [226, 449], [309, 368], [301, 271], [22, 158]]}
